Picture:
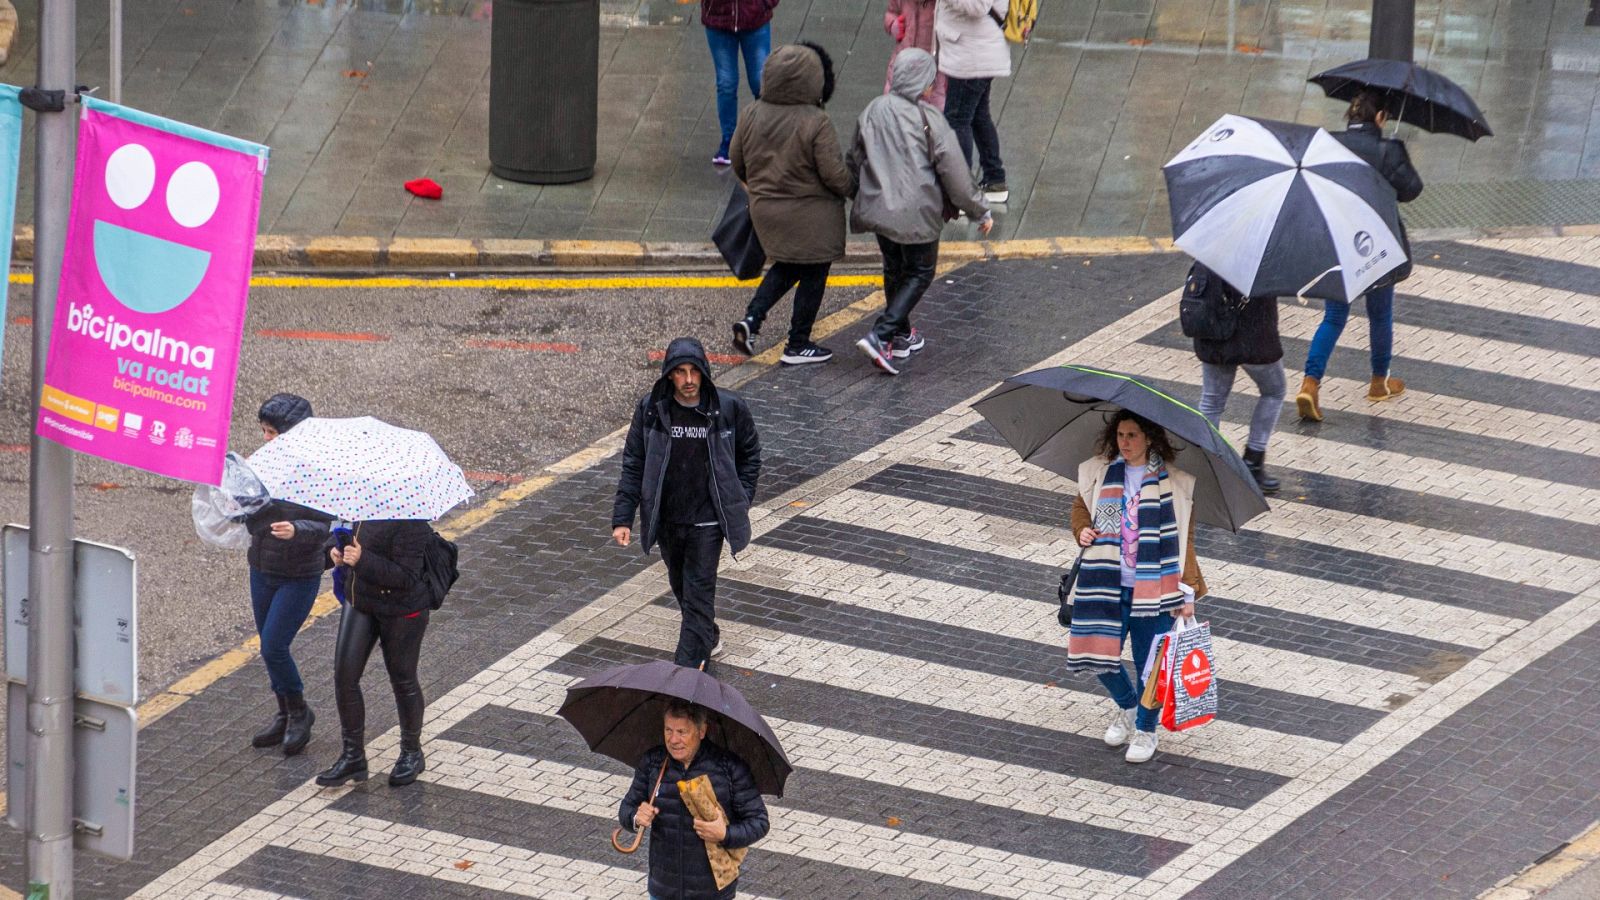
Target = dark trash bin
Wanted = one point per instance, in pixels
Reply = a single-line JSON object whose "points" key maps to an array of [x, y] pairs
{"points": [[544, 87]]}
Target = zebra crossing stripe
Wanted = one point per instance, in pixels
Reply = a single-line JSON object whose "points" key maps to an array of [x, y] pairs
{"points": [[400, 847], [1539, 431], [1015, 617], [794, 832], [1368, 534], [1058, 795], [1006, 699], [1489, 292]]}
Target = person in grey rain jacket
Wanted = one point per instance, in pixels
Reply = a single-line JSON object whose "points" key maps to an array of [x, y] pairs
{"points": [[906, 161]]}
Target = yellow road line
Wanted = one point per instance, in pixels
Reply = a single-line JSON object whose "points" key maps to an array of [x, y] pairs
{"points": [[624, 282]]}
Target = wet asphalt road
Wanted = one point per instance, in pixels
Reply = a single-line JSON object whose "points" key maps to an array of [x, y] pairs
{"points": [[507, 381]]}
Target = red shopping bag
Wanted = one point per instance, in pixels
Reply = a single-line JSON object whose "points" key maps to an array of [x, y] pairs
{"points": [[1186, 682]]}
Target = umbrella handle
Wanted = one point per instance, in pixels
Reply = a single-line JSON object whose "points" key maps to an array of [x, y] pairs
{"points": [[616, 841], [616, 833]]}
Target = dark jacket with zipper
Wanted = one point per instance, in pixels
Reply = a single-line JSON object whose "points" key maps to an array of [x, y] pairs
{"points": [[298, 557], [735, 453], [387, 579], [1390, 158], [679, 869], [1255, 338], [736, 15]]}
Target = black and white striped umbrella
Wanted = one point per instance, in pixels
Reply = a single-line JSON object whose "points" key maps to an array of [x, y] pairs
{"points": [[1279, 209]]}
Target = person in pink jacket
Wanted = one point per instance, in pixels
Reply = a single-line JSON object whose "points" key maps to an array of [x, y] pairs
{"points": [[910, 23]]}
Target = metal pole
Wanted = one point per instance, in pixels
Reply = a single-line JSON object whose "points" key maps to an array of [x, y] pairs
{"points": [[50, 627], [116, 52], [1394, 29]]}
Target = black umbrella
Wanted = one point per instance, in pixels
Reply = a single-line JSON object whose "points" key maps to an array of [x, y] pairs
{"points": [[1413, 94], [1053, 418], [619, 712], [1280, 209]]}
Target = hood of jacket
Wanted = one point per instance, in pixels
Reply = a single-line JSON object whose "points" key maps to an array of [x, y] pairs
{"points": [[679, 351], [914, 70], [793, 76]]}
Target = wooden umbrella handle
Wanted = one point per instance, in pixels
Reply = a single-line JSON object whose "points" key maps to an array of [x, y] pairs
{"points": [[638, 836]]}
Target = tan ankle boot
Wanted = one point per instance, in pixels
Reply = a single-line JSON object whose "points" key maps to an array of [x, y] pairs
{"points": [[1385, 388], [1306, 400]]}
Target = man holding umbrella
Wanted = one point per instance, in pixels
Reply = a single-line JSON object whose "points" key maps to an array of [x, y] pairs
{"points": [[679, 863], [689, 469]]}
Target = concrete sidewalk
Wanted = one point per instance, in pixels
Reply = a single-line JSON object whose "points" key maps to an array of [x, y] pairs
{"points": [[356, 98]]}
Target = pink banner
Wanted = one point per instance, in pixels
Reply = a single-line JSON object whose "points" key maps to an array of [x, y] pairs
{"points": [[144, 348]]}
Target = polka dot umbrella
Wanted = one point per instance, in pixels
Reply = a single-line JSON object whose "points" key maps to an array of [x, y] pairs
{"points": [[361, 469]]}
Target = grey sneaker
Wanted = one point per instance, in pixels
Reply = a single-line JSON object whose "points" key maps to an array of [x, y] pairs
{"points": [[996, 192], [878, 352], [717, 650], [904, 345]]}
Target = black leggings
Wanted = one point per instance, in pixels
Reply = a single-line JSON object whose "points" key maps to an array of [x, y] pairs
{"points": [[813, 281], [401, 638]]}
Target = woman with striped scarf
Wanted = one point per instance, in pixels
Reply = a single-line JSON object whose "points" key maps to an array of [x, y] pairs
{"points": [[1134, 518]]}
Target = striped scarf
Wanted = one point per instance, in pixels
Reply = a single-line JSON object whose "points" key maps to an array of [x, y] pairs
{"points": [[1095, 642]]}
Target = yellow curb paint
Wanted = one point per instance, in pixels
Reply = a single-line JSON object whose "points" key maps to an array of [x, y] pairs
{"points": [[623, 282], [1574, 857]]}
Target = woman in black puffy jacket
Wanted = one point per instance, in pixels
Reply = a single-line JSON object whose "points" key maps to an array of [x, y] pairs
{"points": [[286, 542], [385, 604]]}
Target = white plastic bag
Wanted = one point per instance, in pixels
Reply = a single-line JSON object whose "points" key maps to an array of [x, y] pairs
{"points": [[220, 511]]}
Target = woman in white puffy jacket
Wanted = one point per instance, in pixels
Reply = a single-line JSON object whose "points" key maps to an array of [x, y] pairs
{"points": [[972, 53]]}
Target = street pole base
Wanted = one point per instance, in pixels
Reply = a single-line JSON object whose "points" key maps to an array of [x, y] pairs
{"points": [[527, 176]]}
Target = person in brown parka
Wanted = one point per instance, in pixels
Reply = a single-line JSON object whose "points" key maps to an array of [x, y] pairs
{"points": [[787, 156]]}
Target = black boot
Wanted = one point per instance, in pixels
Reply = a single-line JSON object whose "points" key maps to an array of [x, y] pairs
{"points": [[351, 764], [297, 732], [272, 735], [410, 764], [1256, 462]]}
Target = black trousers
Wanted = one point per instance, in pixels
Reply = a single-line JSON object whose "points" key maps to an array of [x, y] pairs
{"points": [[692, 554], [812, 279], [966, 108], [907, 275], [401, 639]]}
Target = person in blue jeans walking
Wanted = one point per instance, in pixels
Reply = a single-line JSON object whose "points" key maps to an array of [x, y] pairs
{"points": [[285, 573], [1364, 137], [736, 28], [1138, 567]]}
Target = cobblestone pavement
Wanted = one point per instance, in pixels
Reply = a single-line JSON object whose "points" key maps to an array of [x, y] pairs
{"points": [[1407, 642], [355, 97]]}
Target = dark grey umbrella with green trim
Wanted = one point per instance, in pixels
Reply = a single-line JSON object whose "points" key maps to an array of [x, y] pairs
{"points": [[1054, 417]]}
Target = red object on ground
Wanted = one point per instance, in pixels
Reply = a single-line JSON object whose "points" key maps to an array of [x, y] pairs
{"points": [[425, 187]]}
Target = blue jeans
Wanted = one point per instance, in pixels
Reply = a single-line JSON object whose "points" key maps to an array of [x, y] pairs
{"points": [[1141, 630], [281, 606], [725, 49], [1380, 331], [966, 108], [1216, 383]]}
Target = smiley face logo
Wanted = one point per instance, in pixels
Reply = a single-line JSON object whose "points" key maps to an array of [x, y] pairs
{"points": [[146, 273]]}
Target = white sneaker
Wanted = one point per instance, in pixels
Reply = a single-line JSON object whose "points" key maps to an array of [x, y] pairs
{"points": [[717, 650], [1142, 747], [1121, 725]]}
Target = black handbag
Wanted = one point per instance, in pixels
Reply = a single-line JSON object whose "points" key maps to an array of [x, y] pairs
{"points": [[1069, 580], [735, 236]]}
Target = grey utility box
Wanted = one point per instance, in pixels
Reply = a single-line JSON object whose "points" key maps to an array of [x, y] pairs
{"points": [[544, 90]]}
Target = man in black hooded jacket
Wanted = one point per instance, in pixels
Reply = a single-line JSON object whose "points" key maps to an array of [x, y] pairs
{"points": [[689, 469]]}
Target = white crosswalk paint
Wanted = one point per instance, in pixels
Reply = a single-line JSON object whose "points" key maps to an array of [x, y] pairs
{"points": [[1491, 293], [1016, 617], [811, 745], [980, 694], [1351, 531], [794, 832], [1412, 342], [1538, 430]]}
